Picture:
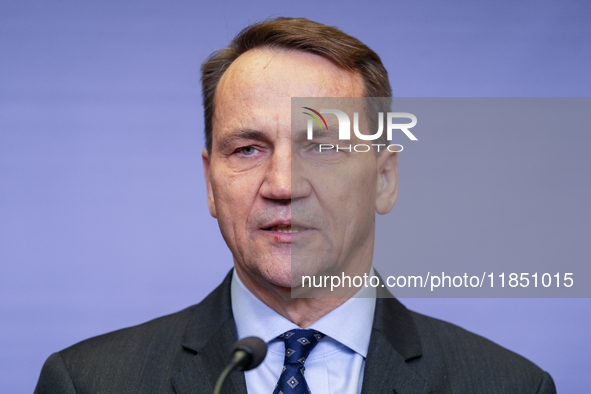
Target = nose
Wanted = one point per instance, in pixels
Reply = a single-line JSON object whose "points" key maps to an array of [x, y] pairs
{"points": [[277, 182], [283, 176]]}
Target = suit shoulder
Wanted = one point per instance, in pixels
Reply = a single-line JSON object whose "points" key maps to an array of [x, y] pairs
{"points": [[164, 327], [448, 347], [142, 358], [127, 350], [120, 361], [437, 334]]}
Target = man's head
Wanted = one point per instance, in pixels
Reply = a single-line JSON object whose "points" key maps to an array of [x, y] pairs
{"points": [[301, 35], [276, 199]]}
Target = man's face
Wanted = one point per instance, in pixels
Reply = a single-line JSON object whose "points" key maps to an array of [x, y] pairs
{"points": [[253, 191]]}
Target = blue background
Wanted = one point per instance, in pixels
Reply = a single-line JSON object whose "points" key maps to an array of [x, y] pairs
{"points": [[103, 215]]}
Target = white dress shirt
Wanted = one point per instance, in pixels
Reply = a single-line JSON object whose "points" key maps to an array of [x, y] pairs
{"points": [[334, 366]]}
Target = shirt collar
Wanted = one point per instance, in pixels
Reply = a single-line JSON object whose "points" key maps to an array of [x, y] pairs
{"points": [[254, 318]]}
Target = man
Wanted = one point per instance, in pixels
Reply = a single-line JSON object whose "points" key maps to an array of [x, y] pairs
{"points": [[282, 213]]}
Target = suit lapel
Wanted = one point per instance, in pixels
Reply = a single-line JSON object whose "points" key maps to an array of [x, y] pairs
{"points": [[209, 336], [394, 341], [211, 332]]}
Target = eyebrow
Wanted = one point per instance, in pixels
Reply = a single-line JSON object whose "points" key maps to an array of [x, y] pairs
{"points": [[247, 134]]}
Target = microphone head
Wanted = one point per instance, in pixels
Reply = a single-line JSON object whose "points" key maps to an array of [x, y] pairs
{"points": [[256, 349]]}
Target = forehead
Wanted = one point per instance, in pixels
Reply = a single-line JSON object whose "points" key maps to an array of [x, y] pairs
{"points": [[262, 81]]}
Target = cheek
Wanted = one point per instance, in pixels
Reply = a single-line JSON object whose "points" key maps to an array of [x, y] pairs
{"points": [[234, 196], [351, 186], [364, 176]]}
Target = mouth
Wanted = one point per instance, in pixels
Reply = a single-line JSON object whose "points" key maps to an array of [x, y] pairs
{"points": [[286, 228]]}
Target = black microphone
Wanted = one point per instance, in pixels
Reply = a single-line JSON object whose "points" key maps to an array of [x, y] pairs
{"points": [[247, 353]]}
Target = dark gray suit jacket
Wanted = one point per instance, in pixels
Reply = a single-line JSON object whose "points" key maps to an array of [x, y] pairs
{"points": [[185, 352]]}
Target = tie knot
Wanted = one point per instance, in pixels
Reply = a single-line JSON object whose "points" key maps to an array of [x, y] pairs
{"points": [[299, 343]]}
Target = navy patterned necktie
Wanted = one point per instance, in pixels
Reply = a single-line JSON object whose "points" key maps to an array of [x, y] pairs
{"points": [[298, 345]]}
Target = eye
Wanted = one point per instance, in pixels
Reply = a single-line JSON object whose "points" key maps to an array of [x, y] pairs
{"points": [[322, 148], [247, 150]]}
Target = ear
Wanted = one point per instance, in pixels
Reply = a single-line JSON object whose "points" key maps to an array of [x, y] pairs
{"points": [[210, 198], [387, 191]]}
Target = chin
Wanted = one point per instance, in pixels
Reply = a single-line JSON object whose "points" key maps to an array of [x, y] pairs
{"points": [[278, 274]]}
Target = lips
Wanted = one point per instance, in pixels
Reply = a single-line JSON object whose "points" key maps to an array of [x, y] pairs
{"points": [[286, 228]]}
